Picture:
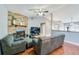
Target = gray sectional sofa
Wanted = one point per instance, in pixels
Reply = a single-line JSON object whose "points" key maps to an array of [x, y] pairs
{"points": [[42, 45], [48, 44]]}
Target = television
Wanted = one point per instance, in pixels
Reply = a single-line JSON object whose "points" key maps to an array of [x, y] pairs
{"points": [[35, 31]]}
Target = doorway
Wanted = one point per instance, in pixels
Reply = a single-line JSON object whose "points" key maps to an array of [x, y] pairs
{"points": [[43, 29]]}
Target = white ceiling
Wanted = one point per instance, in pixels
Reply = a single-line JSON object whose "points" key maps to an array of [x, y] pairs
{"points": [[60, 11], [24, 8], [67, 12]]}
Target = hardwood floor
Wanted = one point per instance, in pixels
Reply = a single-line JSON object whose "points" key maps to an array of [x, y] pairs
{"points": [[66, 49], [29, 51]]}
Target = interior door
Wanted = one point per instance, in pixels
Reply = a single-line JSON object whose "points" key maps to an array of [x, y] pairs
{"points": [[43, 29]]}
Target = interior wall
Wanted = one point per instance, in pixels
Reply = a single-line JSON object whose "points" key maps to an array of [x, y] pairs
{"points": [[48, 26], [35, 22], [3, 21]]}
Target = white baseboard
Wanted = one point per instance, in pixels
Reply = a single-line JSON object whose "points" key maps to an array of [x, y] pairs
{"points": [[77, 44]]}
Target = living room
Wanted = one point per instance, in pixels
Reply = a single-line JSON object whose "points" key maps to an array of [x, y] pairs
{"points": [[42, 29]]}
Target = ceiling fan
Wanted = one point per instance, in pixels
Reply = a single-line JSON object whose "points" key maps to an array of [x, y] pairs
{"points": [[39, 11]]}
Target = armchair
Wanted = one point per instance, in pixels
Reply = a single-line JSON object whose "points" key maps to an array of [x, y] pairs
{"points": [[0, 47], [10, 46]]}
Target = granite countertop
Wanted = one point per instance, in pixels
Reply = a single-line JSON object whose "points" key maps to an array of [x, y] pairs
{"points": [[66, 31]]}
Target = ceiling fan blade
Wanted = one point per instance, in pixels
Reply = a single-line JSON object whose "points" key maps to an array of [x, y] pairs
{"points": [[33, 9]]}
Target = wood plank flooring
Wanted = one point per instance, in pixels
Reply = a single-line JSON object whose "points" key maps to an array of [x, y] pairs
{"points": [[66, 49]]}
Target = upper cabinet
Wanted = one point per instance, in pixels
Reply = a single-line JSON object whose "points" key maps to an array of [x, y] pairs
{"points": [[15, 21]]}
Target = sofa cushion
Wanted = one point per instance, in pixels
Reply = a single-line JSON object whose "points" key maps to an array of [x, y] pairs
{"points": [[28, 40], [18, 39], [35, 41], [57, 35], [17, 43]]}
